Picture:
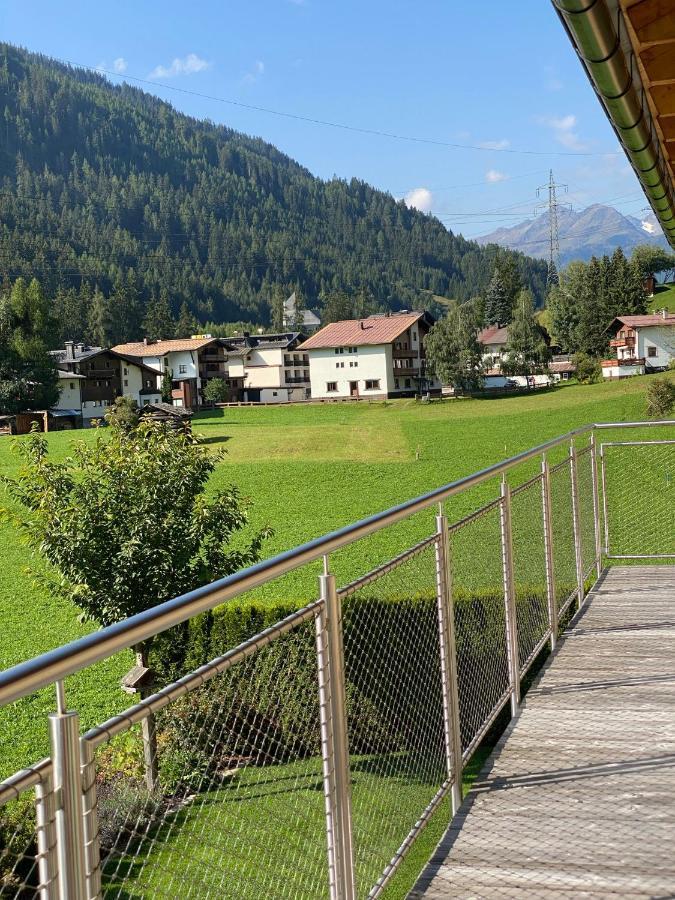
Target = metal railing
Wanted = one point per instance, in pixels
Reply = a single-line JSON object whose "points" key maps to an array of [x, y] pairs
{"points": [[306, 760]]}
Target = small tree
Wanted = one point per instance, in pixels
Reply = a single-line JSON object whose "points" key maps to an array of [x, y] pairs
{"points": [[167, 380], [526, 349], [123, 414], [126, 524], [498, 303], [453, 351], [588, 369], [187, 324], [660, 398], [215, 391]]}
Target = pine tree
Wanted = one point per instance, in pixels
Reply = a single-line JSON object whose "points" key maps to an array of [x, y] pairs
{"points": [[277, 308], [159, 323], [498, 307], [453, 351], [187, 324], [99, 321], [526, 349]]}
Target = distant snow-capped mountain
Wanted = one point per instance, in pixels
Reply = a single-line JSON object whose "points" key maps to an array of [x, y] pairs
{"points": [[593, 231]]}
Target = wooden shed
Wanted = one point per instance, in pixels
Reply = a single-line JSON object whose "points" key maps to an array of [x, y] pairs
{"points": [[177, 417]]}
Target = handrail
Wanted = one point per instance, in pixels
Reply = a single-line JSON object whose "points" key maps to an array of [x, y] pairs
{"points": [[43, 670]]}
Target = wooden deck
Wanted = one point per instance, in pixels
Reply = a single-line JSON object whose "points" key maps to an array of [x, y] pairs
{"points": [[578, 799]]}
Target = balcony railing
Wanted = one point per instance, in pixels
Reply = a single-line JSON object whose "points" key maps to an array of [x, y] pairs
{"points": [[294, 380], [307, 760], [625, 361], [622, 342]]}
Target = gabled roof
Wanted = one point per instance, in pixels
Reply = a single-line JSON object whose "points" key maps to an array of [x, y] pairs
{"points": [[70, 376], [161, 348], [362, 332], [493, 335], [644, 321]]}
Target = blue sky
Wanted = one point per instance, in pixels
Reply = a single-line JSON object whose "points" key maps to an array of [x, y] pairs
{"points": [[493, 75]]}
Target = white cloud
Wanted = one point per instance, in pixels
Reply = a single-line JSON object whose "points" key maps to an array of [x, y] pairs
{"points": [[501, 144], [419, 198], [564, 131], [188, 65], [492, 176], [256, 72], [120, 65]]}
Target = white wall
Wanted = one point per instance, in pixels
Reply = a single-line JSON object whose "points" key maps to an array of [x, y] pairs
{"points": [[660, 336], [372, 363], [622, 371], [264, 368], [70, 397]]}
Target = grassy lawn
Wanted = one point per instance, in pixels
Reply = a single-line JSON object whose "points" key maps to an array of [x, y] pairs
{"points": [[309, 470], [663, 297]]}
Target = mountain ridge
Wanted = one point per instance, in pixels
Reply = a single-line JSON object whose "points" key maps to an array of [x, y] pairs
{"points": [[594, 231]]}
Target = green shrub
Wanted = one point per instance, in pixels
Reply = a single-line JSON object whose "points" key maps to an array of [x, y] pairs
{"points": [[589, 370], [660, 398]]}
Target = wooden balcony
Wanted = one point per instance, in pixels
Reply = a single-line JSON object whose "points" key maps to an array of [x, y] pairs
{"points": [[622, 342]]}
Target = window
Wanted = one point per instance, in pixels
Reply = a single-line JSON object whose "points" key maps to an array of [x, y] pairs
{"points": [[126, 382], [414, 335], [373, 384], [353, 364], [407, 382], [396, 384], [337, 350], [339, 365], [126, 371], [182, 370], [331, 386], [146, 403], [274, 393], [72, 385], [651, 351]]}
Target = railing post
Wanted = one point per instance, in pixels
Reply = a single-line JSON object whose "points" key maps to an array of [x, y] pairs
{"points": [[448, 656], [90, 816], [596, 508], [337, 786], [509, 596], [45, 817], [548, 550], [576, 523], [327, 751], [64, 730], [605, 504]]}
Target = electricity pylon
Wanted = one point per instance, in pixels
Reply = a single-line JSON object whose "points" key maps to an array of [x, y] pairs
{"points": [[553, 274]]}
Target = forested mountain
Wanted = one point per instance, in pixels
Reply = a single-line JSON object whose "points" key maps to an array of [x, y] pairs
{"points": [[106, 187]]}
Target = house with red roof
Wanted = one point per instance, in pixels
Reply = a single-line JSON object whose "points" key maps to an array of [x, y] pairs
{"points": [[642, 344], [376, 357]]}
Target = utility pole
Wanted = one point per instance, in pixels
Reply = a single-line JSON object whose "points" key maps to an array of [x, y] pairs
{"points": [[553, 274]]}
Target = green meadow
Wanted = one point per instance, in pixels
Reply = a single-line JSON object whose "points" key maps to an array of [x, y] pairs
{"points": [[308, 470]]}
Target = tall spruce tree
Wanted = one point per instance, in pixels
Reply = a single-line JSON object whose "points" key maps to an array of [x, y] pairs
{"points": [[498, 304], [187, 324], [453, 351], [159, 323], [28, 375]]}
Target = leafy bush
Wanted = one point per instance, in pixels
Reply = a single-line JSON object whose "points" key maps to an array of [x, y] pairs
{"points": [[589, 370], [660, 398]]}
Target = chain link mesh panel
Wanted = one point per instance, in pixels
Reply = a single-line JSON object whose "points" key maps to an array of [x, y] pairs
{"points": [[19, 856], [640, 498], [239, 812], [562, 525], [394, 708], [529, 565], [586, 514], [478, 595]]}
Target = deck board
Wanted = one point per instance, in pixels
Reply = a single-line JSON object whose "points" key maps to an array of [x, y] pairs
{"points": [[578, 798]]}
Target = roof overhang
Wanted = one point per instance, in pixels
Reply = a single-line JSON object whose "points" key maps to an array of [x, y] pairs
{"points": [[628, 50]]}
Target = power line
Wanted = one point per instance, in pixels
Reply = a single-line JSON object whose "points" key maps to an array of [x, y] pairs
{"points": [[324, 122]]}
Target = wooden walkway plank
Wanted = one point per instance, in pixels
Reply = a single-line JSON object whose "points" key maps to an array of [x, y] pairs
{"points": [[578, 798]]}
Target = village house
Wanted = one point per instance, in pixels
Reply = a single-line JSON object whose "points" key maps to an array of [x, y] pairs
{"points": [[377, 357], [192, 362], [91, 378], [268, 367], [305, 319], [643, 344]]}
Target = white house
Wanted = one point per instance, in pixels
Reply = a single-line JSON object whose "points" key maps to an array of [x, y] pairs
{"points": [[376, 357], [643, 344], [191, 361], [70, 391], [269, 367]]}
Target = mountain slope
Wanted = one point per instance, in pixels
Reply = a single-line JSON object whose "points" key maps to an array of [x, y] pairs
{"points": [[593, 231], [98, 179]]}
